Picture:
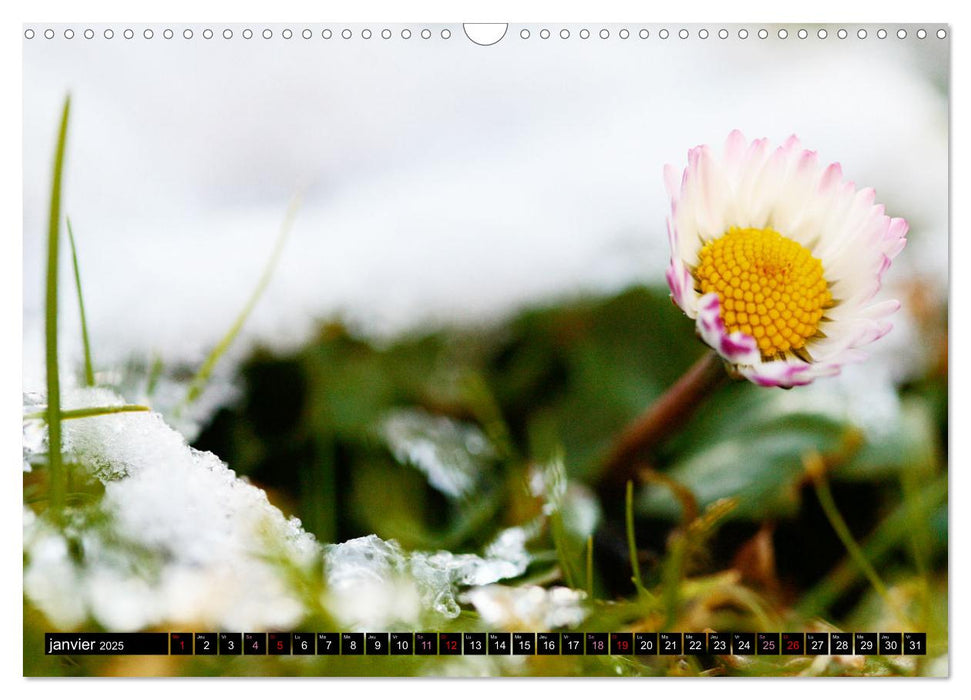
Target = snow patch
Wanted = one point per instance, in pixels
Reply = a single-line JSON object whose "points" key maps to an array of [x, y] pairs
{"points": [[178, 537], [528, 607]]}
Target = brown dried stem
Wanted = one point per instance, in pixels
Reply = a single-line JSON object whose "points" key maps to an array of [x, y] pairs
{"points": [[663, 418]]}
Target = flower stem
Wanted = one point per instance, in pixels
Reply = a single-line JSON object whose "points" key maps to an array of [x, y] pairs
{"points": [[662, 418]]}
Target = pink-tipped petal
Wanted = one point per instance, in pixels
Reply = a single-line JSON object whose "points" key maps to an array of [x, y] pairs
{"points": [[832, 176], [735, 347], [672, 181], [735, 146]]}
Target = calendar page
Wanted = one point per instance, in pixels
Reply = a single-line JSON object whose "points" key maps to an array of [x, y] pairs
{"points": [[542, 349]]}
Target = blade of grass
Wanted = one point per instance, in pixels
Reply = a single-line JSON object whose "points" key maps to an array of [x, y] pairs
{"points": [[816, 467], [895, 529], [839, 525], [671, 575], [555, 487], [590, 567], [918, 541], [201, 378], [88, 365], [58, 475], [153, 376], [631, 542], [683, 543], [558, 533], [92, 412], [922, 461], [684, 496], [485, 408]]}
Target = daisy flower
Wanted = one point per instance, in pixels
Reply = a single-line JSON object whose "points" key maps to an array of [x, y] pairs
{"points": [[778, 259]]}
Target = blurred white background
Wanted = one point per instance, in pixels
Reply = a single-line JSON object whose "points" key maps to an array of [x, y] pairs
{"points": [[443, 180]]}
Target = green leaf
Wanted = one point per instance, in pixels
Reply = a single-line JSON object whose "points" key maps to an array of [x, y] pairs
{"points": [[746, 443], [759, 465]]}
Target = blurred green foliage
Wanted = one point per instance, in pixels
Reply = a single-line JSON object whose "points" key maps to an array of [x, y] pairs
{"points": [[562, 378]]}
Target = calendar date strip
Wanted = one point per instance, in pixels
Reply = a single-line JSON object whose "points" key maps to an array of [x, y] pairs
{"points": [[487, 643]]}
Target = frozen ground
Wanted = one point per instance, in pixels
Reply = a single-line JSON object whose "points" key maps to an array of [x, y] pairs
{"points": [[178, 537]]}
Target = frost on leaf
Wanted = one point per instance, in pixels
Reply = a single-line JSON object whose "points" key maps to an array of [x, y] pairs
{"points": [[453, 456]]}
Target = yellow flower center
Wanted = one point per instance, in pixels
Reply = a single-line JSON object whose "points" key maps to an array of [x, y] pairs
{"points": [[769, 286]]}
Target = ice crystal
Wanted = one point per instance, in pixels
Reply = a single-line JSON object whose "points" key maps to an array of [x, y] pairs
{"points": [[451, 455], [374, 581]]}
